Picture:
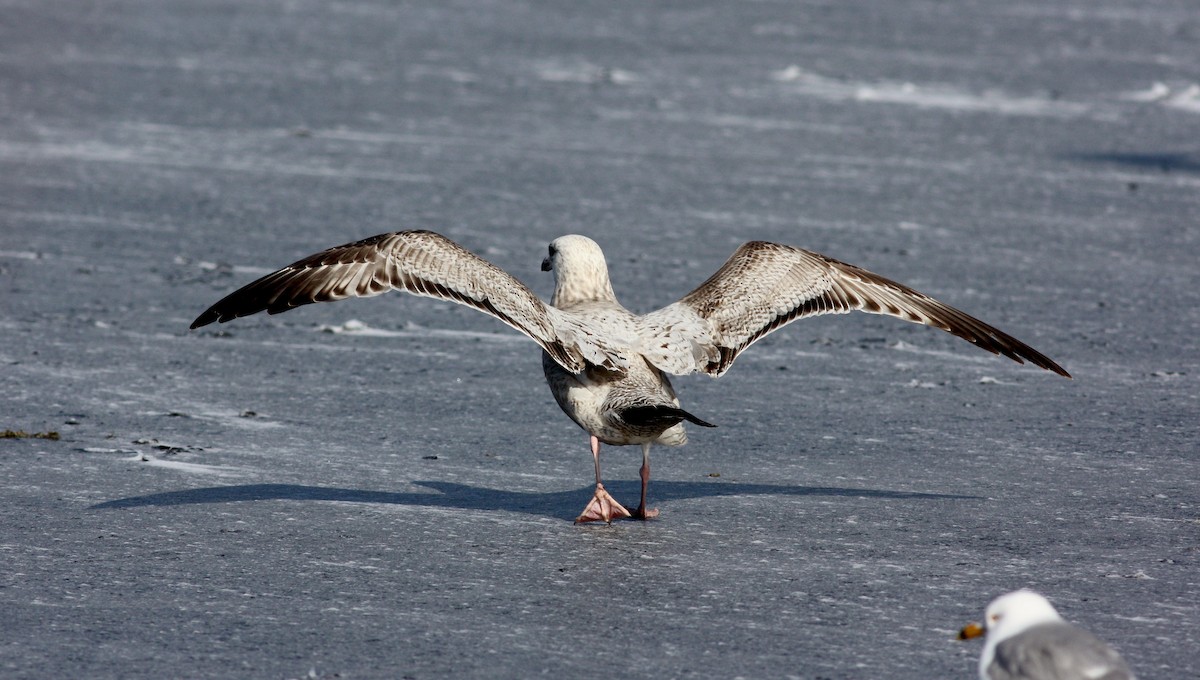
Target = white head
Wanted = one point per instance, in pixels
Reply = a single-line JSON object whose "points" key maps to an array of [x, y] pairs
{"points": [[1016, 612], [1006, 616], [580, 272]]}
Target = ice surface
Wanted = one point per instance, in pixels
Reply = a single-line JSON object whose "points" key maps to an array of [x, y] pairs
{"points": [[393, 498]]}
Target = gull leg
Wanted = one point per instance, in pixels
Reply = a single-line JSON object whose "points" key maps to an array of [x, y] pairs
{"points": [[602, 506], [642, 512]]}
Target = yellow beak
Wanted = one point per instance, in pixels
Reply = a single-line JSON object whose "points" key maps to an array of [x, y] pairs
{"points": [[971, 630]]}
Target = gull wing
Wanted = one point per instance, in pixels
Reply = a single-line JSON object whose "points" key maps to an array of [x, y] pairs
{"points": [[1056, 651], [764, 286], [422, 263]]}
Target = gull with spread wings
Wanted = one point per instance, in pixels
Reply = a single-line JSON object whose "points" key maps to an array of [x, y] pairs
{"points": [[606, 366]]}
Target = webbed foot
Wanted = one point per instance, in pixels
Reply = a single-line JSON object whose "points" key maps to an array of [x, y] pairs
{"points": [[602, 507]]}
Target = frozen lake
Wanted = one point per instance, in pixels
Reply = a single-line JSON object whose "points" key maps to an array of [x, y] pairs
{"points": [[384, 488]]}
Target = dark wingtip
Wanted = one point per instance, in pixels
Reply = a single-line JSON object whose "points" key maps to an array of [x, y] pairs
{"points": [[203, 320], [998, 342], [1048, 365], [1042, 361]]}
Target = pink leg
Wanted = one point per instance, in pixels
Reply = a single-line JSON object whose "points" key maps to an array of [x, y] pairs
{"points": [[642, 512], [595, 442], [602, 506]]}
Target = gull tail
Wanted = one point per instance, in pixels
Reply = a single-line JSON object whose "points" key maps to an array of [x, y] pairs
{"points": [[659, 416]]}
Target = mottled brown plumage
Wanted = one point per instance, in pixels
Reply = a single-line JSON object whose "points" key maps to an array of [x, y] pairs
{"points": [[605, 365], [419, 262], [764, 286]]}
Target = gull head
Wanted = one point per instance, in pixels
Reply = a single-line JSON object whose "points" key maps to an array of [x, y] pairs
{"points": [[1008, 615], [580, 272], [1016, 612]]}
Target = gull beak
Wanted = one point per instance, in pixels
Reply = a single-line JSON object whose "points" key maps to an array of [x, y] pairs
{"points": [[546, 266], [971, 630]]}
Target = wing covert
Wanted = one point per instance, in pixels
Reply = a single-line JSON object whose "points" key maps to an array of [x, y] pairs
{"points": [[422, 263], [765, 286], [1057, 650]]}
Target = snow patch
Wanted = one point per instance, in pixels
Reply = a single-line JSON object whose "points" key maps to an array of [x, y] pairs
{"points": [[930, 96], [722, 120], [1156, 92], [454, 75], [100, 449], [1187, 99], [412, 330], [942, 354], [171, 153], [584, 72], [351, 326], [193, 468], [1183, 97], [990, 380], [351, 564]]}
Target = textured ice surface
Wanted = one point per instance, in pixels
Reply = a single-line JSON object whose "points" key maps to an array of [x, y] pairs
{"points": [[392, 498]]}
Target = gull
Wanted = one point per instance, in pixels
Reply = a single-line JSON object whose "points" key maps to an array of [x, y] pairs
{"points": [[606, 366], [1028, 640]]}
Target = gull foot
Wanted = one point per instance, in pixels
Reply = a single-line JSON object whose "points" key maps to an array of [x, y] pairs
{"points": [[643, 513], [602, 507]]}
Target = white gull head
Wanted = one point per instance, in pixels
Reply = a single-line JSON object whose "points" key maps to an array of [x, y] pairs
{"points": [[1010, 615], [1016, 612], [580, 271]]}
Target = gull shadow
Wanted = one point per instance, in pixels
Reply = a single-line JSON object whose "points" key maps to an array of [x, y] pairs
{"points": [[462, 496], [1163, 162]]}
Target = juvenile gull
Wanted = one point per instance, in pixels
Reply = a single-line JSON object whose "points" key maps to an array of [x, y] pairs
{"points": [[605, 365], [1028, 640]]}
